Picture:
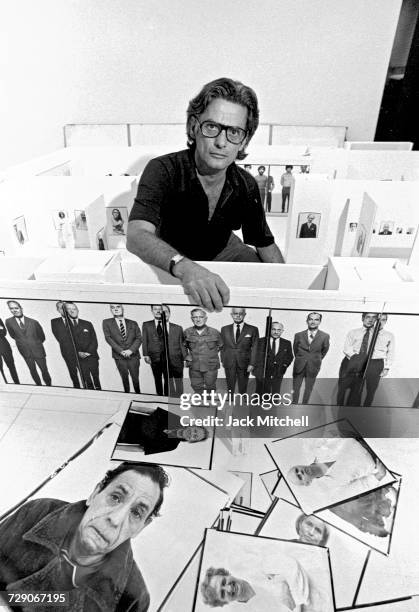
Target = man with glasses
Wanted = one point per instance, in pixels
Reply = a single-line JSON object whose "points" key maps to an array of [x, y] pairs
{"points": [[188, 203]]}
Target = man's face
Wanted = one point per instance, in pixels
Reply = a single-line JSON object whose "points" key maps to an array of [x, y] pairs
{"points": [[60, 308], [311, 530], [72, 311], [199, 318], [301, 475], [213, 155], [383, 320], [157, 310], [369, 319], [229, 588], [15, 309], [116, 514], [117, 310], [386, 227], [193, 434], [276, 330], [238, 314], [261, 170], [313, 321], [310, 218]]}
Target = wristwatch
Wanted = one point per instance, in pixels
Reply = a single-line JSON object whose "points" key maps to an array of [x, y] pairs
{"points": [[175, 260]]}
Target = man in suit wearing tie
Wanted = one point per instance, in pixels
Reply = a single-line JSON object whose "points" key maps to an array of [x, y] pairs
{"points": [[155, 355], [60, 329], [308, 229], [310, 348], [85, 341], [279, 357], [124, 336], [238, 354], [29, 337], [7, 355]]}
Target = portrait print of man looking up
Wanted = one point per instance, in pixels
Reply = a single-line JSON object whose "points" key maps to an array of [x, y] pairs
{"points": [[189, 202], [84, 548]]}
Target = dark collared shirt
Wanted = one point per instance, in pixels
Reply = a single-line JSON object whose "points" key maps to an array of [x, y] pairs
{"points": [[171, 197]]}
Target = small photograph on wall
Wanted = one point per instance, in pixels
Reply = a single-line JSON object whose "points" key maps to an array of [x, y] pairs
{"points": [[352, 227], [308, 225], [360, 240], [116, 227], [386, 228], [399, 230], [59, 217], [101, 240], [80, 220], [116, 221], [19, 227], [410, 230]]}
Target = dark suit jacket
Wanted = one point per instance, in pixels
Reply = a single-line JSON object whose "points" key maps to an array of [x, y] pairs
{"points": [[114, 338], [4, 343], [29, 340], [148, 431], [243, 353], [62, 335], [310, 354], [308, 232], [276, 365], [85, 337], [152, 344]]}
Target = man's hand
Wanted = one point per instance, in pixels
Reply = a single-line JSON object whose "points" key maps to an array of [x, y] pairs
{"points": [[147, 360], [384, 372], [250, 369], [127, 353], [205, 288], [83, 355]]}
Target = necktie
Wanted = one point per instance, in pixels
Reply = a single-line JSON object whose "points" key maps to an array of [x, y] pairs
{"points": [[74, 322], [122, 329], [364, 344], [237, 332], [20, 323], [310, 337], [159, 329], [274, 347]]}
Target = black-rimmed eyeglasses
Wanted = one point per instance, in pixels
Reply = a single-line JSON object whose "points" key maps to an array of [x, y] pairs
{"points": [[211, 129]]}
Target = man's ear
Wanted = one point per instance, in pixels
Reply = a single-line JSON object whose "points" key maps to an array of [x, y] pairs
{"points": [[93, 494]]}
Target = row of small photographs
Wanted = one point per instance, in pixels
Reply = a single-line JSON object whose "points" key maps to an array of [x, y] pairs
{"points": [[388, 228], [117, 221]]}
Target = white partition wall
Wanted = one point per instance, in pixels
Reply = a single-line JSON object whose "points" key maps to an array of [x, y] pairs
{"points": [[379, 146], [79, 135], [320, 136]]}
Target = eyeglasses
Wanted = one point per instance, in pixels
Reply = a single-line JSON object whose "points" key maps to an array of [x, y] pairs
{"points": [[211, 129]]}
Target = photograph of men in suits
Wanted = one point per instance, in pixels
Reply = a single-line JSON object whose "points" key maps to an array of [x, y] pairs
{"points": [[203, 344], [6, 354], [309, 228], [168, 377], [279, 357], [385, 230], [238, 354], [124, 336], [29, 337], [60, 329], [85, 341], [310, 348]]}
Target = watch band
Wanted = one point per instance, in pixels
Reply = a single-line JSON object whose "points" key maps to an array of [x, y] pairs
{"points": [[174, 260]]}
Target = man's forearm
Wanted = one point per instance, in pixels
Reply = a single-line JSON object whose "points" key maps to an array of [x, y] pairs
{"points": [[270, 254], [151, 249]]}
